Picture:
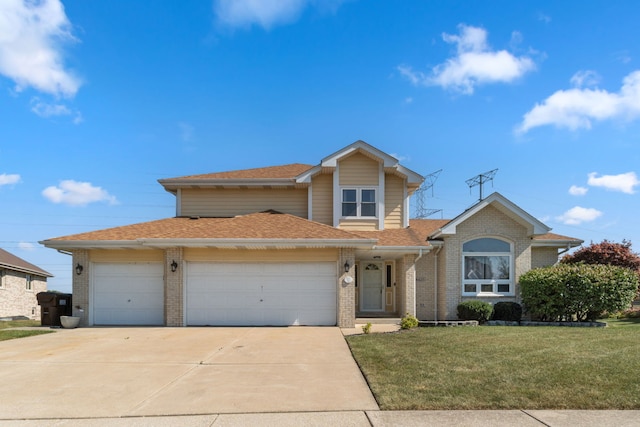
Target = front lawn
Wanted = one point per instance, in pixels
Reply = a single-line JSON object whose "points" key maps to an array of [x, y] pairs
{"points": [[503, 367], [7, 333]]}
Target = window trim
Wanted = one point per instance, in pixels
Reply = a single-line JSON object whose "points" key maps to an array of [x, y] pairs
{"points": [[28, 282], [359, 202], [495, 283]]}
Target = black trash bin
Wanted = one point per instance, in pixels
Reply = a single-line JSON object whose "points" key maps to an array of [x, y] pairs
{"points": [[53, 305]]}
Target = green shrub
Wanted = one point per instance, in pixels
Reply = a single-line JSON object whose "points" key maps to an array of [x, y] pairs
{"points": [[408, 321], [581, 292], [367, 328], [475, 310], [507, 310]]}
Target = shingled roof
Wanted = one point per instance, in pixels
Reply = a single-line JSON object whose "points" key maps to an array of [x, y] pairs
{"points": [[10, 261], [289, 171]]}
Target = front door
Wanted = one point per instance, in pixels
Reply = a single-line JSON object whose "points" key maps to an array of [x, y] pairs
{"points": [[372, 286]]}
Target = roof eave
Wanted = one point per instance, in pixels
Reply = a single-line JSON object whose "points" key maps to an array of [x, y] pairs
{"points": [[258, 243], [556, 243], [26, 270]]}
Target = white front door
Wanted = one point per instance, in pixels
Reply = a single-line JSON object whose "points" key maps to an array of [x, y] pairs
{"points": [[372, 286]]}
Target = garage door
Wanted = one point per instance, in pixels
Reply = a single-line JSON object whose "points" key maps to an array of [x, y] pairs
{"points": [[128, 294], [261, 294]]}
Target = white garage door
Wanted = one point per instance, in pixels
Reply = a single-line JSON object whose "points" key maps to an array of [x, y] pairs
{"points": [[128, 294], [261, 294]]}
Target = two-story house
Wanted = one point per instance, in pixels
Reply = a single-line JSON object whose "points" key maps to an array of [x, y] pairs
{"points": [[20, 282], [303, 245]]}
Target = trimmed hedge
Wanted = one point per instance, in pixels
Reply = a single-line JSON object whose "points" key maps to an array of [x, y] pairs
{"points": [[507, 310], [475, 310], [583, 292]]}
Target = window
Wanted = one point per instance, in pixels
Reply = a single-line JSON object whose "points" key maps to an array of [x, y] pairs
{"points": [[487, 267], [3, 273], [359, 202], [28, 280]]}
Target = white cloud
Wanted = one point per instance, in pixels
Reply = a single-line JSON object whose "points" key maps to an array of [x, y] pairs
{"points": [[30, 46], [577, 215], [624, 182], [577, 108], [544, 18], [474, 63], [578, 191], [8, 179], [265, 13], [26, 246], [46, 110], [75, 193], [585, 78]]}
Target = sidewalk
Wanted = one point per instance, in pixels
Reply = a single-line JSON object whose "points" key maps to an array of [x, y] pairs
{"points": [[361, 418]]}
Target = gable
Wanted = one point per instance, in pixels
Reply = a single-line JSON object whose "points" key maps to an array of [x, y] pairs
{"points": [[358, 170]]}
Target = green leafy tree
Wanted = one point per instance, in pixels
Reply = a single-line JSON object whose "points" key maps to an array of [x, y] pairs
{"points": [[606, 252]]}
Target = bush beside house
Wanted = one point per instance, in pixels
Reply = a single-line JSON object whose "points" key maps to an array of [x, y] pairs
{"points": [[581, 292]]}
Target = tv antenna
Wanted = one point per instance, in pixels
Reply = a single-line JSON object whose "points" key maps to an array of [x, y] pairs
{"points": [[421, 196], [480, 180]]}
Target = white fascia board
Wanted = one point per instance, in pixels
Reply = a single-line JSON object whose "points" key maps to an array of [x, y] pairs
{"points": [[266, 243], [246, 182], [91, 244], [412, 249], [305, 177], [412, 177], [556, 243], [40, 273], [332, 159]]}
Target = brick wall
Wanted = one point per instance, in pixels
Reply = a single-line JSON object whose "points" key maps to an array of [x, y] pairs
{"points": [[346, 291], [173, 288], [16, 299], [81, 286]]}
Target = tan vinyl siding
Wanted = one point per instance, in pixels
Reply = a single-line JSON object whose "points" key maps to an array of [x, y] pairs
{"points": [[359, 224], [126, 255], [233, 202], [393, 202], [359, 171], [322, 193], [248, 255]]}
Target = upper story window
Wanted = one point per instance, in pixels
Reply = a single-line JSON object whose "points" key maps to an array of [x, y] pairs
{"points": [[487, 268], [359, 202], [29, 285], [3, 274]]}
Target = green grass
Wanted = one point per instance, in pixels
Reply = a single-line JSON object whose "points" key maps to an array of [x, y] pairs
{"points": [[7, 333], [503, 367]]}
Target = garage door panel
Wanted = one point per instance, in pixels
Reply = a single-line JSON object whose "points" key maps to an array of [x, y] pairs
{"points": [[128, 294], [261, 294]]}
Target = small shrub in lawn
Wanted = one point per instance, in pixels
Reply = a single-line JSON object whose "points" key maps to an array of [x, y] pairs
{"points": [[507, 310], [367, 328], [408, 321], [475, 310]]}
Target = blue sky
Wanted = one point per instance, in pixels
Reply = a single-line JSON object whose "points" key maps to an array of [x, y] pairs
{"points": [[99, 100]]}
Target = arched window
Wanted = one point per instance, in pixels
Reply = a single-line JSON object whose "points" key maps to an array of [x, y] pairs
{"points": [[486, 267]]}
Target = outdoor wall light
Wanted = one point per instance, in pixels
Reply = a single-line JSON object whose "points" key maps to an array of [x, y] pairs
{"points": [[79, 269], [174, 265], [346, 267]]}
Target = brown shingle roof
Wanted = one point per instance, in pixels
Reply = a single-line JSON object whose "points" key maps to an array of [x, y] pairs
{"points": [[8, 260], [553, 236], [273, 172], [415, 235], [263, 225]]}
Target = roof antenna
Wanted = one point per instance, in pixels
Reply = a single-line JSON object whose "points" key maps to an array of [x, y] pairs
{"points": [[481, 180], [421, 196]]}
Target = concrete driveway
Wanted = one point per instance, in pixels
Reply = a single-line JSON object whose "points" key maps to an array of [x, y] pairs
{"points": [[116, 372]]}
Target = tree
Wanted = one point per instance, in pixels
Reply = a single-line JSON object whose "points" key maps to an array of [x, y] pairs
{"points": [[606, 252]]}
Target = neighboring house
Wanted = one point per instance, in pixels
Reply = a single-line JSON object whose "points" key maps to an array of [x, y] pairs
{"points": [[20, 282], [303, 245]]}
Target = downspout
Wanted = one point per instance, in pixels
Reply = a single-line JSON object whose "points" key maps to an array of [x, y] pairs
{"points": [[415, 303], [435, 283]]}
